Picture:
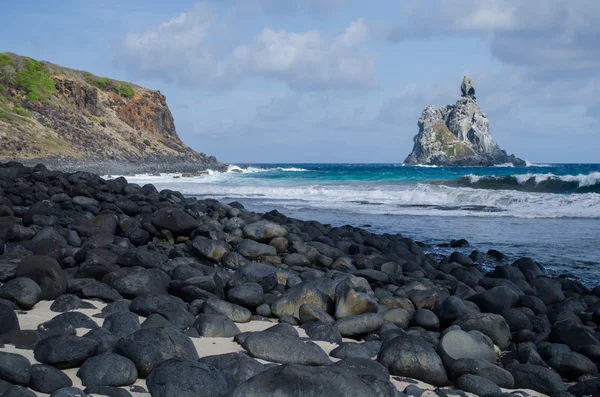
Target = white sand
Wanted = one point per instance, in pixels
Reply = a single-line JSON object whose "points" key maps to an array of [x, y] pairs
{"points": [[205, 346]]}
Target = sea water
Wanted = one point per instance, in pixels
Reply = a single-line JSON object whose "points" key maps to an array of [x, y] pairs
{"points": [[550, 212]]}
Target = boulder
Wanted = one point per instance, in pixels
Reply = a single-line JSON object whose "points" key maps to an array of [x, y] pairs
{"points": [[122, 324], [175, 220], [186, 378], [107, 369], [457, 344], [292, 380], [47, 379], [69, 302], [413, 357], [234, 312], [572, 365], [168, 306], [210, 249], [65, 351], [495, 300], [492, 325], [249, 295], [251, 249], [483, 368], [215, 326], [151, 346], [318, 293], [538, 378], [15, 368], [263, 231], [236, 368], [477, 385], [573, 335], [46, 272], [354, 296], [137, 281], [277, 348], [359, 325], [23, 291], [8, 319]]}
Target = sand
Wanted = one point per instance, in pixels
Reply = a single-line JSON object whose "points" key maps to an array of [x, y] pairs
{"points": [[205, 346]]}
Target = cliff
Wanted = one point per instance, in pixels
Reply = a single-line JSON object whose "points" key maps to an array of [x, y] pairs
{"points": [[62, 116], [457, 135]]}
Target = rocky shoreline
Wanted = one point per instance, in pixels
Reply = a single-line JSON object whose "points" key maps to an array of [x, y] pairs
{"points": [[115, 289], [132, 167]]}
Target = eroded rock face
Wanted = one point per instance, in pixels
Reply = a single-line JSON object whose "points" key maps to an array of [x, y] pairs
{"points": [[457, 135]]}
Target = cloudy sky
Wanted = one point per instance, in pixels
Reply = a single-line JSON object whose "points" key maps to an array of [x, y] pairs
{"points": [[336, 80]]}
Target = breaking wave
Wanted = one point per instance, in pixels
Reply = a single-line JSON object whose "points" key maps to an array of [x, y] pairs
{"points": [[542, 183]]}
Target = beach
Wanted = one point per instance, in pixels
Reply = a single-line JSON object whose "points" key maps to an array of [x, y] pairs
{"points": [[120, 284]]}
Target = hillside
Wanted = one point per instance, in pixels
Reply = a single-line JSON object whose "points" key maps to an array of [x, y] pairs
{"points": [[62, 116]]}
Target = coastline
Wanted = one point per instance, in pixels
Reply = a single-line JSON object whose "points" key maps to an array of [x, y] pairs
{"points": [[221, 264]]}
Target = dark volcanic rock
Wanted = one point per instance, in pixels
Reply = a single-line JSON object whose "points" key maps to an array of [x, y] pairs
{"points": [[170, 307], [107, 369], [215, 326], [235, 367], [537, 378], [8, 319], [292, 380], [122, 324], [47, 379], [46, 272], [484, 368], [186, 378], [284, 349], [149, 347], [69, 302], [411, 356], [492, 325], [15, 368], [477, 385], [175, 220], [23, 291], [66, 351], [457, 344]]}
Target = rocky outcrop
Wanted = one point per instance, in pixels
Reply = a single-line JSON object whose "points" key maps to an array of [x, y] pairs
{"points": [[457, 135], [67, 118]]}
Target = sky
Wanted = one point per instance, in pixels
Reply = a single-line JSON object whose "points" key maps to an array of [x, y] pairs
{"points": [[336, 80]]}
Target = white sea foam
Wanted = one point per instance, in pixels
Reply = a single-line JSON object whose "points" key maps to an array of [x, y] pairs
{"points": [[509, 165], [420, 199], [292, 169]]}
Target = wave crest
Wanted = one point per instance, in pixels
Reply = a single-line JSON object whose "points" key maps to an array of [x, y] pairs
{"points": [[543, 183]]}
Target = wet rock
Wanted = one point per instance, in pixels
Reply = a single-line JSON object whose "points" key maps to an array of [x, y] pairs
{"points": [[496, 300]]}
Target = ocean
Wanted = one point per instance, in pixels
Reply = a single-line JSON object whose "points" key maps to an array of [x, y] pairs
{"points": [[549, 212]]}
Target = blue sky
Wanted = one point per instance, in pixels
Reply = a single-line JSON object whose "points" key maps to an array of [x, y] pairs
{"points": [[336, 80]]}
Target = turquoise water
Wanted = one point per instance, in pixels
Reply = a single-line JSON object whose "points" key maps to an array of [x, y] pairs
{"points": [[550, 212]]}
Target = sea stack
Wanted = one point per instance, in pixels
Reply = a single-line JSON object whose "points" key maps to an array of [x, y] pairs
{"points": [[458, 135]]}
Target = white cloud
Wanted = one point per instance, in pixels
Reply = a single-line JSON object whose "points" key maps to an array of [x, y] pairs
{"points": [[187, 50]]}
